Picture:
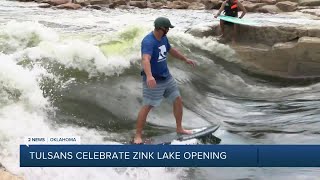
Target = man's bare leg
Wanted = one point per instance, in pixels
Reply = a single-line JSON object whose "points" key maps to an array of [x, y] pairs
{"points": [[142, 117], [178, 111], [222, 28], [235, 33]]}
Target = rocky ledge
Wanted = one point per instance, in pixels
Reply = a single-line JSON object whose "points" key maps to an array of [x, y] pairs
{"points": [[261, 6], [275, 50]]}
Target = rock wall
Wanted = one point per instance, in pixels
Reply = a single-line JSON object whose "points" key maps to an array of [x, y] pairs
{"points": [[299, 59], [261, 6], [283, 51]]}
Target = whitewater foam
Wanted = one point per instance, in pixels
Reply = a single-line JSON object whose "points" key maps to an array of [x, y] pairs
{"points": [[205, 43], [75, 53], [19, 35]]}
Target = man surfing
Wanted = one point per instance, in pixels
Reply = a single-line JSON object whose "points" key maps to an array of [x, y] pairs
{"points": [[156, 79]]}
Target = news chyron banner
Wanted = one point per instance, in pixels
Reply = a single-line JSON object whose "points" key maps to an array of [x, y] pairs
{"points": [[69, 152]]}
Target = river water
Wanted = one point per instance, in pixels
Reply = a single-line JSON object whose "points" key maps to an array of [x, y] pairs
{"points": [[77, 73]]}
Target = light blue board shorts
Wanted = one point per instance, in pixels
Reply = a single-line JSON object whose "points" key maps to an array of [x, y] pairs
{"points": [[165, 89]]}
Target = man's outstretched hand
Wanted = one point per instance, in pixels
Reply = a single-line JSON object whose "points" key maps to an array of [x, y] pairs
{"points": [[192, 63]]}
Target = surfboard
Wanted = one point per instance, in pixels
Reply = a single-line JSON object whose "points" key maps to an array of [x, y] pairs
{"points": [[238, 20], [204, 135]]}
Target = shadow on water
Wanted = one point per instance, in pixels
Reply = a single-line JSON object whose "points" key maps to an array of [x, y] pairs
{"points": [[283, 82], [86, 114]]}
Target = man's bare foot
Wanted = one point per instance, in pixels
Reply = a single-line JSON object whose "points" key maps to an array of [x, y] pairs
{"points": [[137, 140], [184, 131]]}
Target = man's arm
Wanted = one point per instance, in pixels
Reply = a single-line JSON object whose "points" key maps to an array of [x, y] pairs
{"points": [[175, 53], [146, 64], [241, 7], [221, 9], [151, 82]]}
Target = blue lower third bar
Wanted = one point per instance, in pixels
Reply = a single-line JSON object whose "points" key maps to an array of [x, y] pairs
{"points": [[170, 156]]}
